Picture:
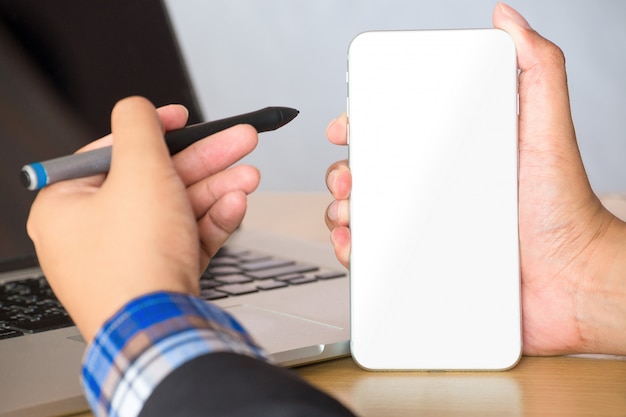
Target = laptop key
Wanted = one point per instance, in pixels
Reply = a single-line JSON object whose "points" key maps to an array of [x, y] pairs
{"points": [[215, 271], [266, 264], [212, 294], [330, 275], [233, 279], [303, 280], [223, 261], [283, 270], [238, 289], [271, 284], [289, 277], [207, 284]]}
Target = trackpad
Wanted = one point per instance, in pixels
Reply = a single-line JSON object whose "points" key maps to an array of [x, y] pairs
{"points": [[279, 332]]}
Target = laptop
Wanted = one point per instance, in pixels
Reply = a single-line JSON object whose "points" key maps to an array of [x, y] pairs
{"points": [[64, 65]]}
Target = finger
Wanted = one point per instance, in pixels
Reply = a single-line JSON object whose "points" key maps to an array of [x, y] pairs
{"points": [[204, 194], [139, 147], [338, 214], [544, 98], [341, 241], [98, 143], [550, 165], [221, 221], [339, 180], [173, 116], [337, 131], [215, 153]]}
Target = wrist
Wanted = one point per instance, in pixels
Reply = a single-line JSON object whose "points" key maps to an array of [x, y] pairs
{"points": [[149, 338]]}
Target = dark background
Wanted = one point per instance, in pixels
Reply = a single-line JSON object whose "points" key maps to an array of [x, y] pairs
{"points": [[63, 66]]}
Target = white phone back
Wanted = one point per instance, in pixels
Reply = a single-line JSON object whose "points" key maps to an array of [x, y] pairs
{"points": [[435, 276]]}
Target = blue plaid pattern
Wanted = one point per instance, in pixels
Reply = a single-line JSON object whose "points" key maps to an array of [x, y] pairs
{"points": [[149, 338]]}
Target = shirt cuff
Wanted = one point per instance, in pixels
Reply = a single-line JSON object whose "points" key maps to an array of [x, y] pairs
{"points": [[148, 339]]}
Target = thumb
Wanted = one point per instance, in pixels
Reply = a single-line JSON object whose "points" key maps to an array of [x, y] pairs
{"points": [[139, 150], [546, 131]]}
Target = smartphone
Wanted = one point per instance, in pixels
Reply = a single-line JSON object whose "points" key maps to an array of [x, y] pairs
{"points": [[434, 269]]}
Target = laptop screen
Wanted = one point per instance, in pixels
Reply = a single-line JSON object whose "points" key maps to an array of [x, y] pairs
{"points": [[64, 65]]}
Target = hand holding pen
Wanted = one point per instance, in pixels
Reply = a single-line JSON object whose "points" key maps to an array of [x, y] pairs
{"points": [[151, 224], [37, 175]]}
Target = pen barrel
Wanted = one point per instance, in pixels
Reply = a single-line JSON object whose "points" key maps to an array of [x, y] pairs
{"points": [[268, 118], [78, 165], [179, 139]]}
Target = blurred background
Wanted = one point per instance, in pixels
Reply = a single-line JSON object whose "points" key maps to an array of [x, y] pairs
{"points": [[247, 54]]}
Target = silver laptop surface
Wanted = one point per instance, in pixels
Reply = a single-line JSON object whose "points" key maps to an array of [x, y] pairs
{"points": [[56, 95]]}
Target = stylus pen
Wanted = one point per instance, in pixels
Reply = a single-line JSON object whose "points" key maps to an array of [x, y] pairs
{"points": [[39, 174]]}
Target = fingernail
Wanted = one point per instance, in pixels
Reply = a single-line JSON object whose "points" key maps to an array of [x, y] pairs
{"points": [[186, 110], [332, 178], [514, 15], [333, 211], [330, 125]]}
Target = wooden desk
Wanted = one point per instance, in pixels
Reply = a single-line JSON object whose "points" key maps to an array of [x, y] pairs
{"points": [[556, 386]]}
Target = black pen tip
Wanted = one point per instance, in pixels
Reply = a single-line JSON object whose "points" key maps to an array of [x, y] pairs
{"points": [[288, 114]]}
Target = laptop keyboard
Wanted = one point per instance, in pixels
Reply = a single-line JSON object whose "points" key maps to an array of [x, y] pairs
{"points": [[233, 272], [30, 306]]}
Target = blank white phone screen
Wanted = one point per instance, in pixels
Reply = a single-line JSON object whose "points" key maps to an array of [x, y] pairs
{"points": [[435, 277]]}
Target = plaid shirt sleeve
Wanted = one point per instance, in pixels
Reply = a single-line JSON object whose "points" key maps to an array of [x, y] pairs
{"points": [[149, 338]]}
